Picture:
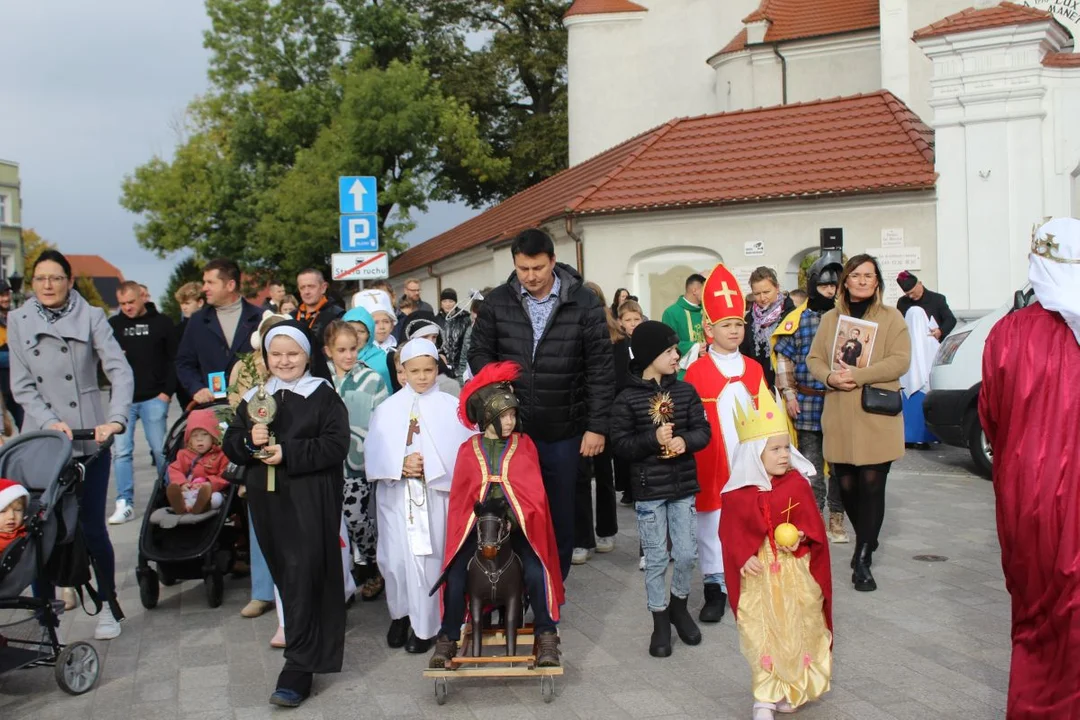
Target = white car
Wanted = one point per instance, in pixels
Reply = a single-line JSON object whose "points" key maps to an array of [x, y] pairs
{"points": [[952, 405]]}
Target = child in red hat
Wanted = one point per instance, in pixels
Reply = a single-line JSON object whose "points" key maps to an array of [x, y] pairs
{"points": [[195, 477], [13, 501]]}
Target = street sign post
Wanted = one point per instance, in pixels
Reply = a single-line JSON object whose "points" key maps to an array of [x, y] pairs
{"points": [[360, 266], [358, 202]]}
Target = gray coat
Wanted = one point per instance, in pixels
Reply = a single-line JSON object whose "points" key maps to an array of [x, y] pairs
{"points": [[54, 369]]}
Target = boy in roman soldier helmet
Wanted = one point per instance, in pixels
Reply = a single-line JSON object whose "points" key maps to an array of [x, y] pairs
{"points": [[500, 464], [720, 376]]}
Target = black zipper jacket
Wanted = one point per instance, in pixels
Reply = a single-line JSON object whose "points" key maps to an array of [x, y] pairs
{"points": [[149, 343], [633, 438]]}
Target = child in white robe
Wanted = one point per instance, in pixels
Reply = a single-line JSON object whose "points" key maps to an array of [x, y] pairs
{"points": [[411, 448]]}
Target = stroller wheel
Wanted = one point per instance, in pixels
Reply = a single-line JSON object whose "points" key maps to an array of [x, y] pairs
{"points": [[77, 668], [215, 588], [166, 577], [148, 589]]}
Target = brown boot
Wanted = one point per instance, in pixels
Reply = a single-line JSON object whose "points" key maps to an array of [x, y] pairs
{"points": [[837, 533], [445, 651], [547, 650], [202, 500], [175, 496]]}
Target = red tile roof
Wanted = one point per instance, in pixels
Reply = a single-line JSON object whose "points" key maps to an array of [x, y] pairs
{"points": [[596, 7], [93, 266], [845, 146], [1001, 15], [802, 19], [1061, 60]]}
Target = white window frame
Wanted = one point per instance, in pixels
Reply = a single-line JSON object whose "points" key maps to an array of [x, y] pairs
{"points": [[4, 203]]}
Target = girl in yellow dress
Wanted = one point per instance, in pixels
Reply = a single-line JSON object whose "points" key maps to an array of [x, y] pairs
{"points": [[779, 579]]}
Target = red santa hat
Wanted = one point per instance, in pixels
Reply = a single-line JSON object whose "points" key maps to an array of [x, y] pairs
{"points": [[722, 297], [10, 491]]}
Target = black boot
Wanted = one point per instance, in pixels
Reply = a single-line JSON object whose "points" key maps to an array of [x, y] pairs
{"points": [[863, 580], [715, 604], [398, 633], [417, 646], [684, 624], [869, 557], [660, 642]]}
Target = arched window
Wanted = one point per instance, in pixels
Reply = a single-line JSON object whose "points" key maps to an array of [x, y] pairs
{"points": [[658, 277]]}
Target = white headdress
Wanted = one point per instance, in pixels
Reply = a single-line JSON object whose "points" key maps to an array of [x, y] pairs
{"points": [[1054, 269], [416, 348]]}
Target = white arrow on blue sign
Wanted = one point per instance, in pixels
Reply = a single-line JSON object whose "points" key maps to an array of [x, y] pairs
{"points": [[357, 194], [359, 233]]}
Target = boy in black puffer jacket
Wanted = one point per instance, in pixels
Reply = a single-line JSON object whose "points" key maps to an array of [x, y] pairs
{"points": [[657, 424]]}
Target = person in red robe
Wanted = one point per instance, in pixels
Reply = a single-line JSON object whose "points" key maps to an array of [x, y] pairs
{"points": [[780, 587], [721, 375], [500, 465], [1030, 410]]}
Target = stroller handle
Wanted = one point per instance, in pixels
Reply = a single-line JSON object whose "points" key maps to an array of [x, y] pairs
{"points": [[89, 435]]}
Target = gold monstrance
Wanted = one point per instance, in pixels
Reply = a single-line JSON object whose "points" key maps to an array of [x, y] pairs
{"points": [[662, 411]]}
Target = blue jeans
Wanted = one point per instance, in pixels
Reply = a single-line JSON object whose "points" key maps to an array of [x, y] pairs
{"points": [[153, 413], [658, 520], [262, 585], [560, 464]]}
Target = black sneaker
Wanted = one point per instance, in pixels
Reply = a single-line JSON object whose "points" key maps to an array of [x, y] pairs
{"points": [[398, 633]]}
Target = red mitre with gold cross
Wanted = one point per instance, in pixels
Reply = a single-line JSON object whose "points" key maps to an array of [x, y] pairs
{"points": [[722, 298]]}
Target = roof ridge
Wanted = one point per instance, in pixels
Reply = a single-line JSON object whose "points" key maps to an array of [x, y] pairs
{"points": [[1002, 14], [657, 133], [903, 115], [762, 13]]}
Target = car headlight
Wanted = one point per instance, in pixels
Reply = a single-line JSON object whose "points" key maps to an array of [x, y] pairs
{"points": [[949, 346]]}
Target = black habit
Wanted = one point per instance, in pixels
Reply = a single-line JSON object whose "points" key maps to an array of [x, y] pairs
{"points": [[297, 525]]}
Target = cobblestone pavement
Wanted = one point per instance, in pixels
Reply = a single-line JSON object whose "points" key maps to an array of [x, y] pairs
{"points": [[933, 642]]}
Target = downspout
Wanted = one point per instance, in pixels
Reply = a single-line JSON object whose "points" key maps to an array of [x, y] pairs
{"points": [[783, 73], [438, 279], [579, 249]]}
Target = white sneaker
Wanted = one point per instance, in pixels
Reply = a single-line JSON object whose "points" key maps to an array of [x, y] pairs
{"points": [[108, 627], [641, 563], [605, 544], [580, 556], [124, 512], [764, 711]]}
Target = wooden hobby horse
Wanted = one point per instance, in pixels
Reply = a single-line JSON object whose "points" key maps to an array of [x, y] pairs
{"points": [[495, 576]]}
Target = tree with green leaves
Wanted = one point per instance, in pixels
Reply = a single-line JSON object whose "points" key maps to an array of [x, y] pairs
{"points": [[33, 246]]}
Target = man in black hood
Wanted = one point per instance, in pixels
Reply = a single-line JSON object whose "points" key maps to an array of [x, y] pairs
{"points": [[803, 395]]}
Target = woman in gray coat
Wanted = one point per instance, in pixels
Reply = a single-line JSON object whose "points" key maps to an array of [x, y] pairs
{"points": [[56, 341]]}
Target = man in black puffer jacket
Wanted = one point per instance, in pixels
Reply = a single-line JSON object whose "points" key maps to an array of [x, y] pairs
{"points": [[657, 424], [545, 320]]}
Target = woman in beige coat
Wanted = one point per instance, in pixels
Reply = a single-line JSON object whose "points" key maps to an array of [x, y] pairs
{"points": [[860, 446]]}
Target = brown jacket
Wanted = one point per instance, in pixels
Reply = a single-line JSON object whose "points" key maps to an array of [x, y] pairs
{"points": [[853, 436]]}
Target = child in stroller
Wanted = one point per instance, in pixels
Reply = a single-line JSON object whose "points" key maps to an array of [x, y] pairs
{"points": [[41, 542], [195, 477]]}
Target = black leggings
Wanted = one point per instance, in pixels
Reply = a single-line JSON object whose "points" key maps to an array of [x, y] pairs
{"points": [[862, 489]]}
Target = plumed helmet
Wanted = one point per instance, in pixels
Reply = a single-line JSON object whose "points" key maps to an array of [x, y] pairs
{"points": [[488, 395]]}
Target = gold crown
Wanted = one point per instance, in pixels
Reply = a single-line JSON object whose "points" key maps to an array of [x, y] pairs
{"points": [[764, 421], [1047, 248]]}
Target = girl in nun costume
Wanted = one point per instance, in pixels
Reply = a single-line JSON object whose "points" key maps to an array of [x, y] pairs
{"points": [[295, 497], [411, 449]]}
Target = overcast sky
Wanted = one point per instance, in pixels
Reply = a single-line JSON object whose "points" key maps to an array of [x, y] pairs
{"points": [[88, 93]]}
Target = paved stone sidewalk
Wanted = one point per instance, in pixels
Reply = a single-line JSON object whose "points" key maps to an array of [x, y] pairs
{"points": [[933, 642]]}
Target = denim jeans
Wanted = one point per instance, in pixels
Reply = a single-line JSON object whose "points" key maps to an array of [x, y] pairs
{"points": [[560, 464], [810, 447], [657, 521], [153, 413], [262, 585]]}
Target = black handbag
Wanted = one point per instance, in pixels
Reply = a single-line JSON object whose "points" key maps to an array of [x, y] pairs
{"points": [[881, 402]]}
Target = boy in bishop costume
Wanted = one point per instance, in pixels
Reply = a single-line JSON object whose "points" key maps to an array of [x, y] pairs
{"points": [[721, 376], [411, 447], [777, 559], [500, 465]]}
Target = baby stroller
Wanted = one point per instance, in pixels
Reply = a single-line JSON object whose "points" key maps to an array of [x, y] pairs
{"points": [[42, 463], [187, 547]]}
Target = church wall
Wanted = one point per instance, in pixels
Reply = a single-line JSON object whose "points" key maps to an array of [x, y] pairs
{"points": [[633, 250], [833, 67]]}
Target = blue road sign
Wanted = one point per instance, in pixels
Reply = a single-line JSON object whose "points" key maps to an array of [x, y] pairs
{"points": [[357, 194], [359, 233]]}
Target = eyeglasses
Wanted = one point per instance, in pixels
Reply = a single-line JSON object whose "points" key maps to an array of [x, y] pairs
{"points": [[49, 279]]}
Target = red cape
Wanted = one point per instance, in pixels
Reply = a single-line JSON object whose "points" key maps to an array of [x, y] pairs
{"points": [[750, 515], [1030, 409], [519, 473], [712, 462]]}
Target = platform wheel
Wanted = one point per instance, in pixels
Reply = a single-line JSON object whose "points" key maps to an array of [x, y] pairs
{"points": [[441, 691], [547, 687], [77, 668]]}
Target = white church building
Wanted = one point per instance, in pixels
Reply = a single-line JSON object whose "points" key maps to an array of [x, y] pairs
{"points": [[933, 133]]}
